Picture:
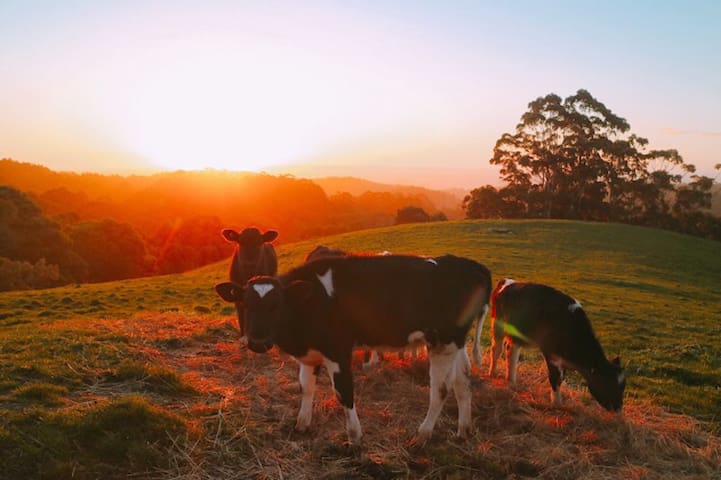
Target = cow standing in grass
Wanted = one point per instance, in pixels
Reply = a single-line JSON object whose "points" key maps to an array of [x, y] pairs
{"points": [[531, 314], [321, 311], [253, 255]]}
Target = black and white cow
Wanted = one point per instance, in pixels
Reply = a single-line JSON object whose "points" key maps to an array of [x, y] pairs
{"points": [[320, 311], [531, 314], [371, 357], [253, 255]]}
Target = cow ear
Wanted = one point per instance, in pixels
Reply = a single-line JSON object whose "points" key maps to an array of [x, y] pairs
{"points": [[616, 361], [270, 235], [229, 291], [299, 291], [230, 235]]}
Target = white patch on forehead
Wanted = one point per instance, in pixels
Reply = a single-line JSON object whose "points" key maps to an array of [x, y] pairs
{"points": [[262, 289], [621, 378], [416, 336], [430, 260], [574, 306], [327, 281]]}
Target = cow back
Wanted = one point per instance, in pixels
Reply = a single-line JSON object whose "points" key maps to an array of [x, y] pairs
{"points": [[380, 300]]}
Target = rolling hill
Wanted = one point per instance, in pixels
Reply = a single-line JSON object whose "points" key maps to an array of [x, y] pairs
{"points": [[145, 376]]}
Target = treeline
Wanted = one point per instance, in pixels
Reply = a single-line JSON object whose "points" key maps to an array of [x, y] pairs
{"points": [[57, 228], [574, 158]]}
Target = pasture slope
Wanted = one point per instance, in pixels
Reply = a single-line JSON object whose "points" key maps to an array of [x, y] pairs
{"points": [[144, 377]]}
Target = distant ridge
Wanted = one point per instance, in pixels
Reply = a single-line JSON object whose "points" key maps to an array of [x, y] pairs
{"points": [[448, 201]]}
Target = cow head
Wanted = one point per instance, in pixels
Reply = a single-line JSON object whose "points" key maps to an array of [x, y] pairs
{"points": [[607, 383], [267, 305], [249, 241]]}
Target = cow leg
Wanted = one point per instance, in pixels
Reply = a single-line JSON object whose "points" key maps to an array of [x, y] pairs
{"points": [[307, 376], [241, 324], [370, 359], [513, 351], [555, 377], [342, 380], [496, 349], [462, 390], [441, 360]]}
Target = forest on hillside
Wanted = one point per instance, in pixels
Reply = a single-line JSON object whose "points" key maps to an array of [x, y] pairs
{"points": [[59, 227]]}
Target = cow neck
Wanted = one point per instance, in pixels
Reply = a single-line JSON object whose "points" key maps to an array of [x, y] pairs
{"points": [[291, 335], [589, 357]]}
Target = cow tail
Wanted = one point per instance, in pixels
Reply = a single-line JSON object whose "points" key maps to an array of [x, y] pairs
{"points": [[477, 357], [477, 354]]}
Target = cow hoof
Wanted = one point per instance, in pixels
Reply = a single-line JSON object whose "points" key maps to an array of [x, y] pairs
{"points": [[422, 437], [243, 341], [301, 428], [464, 432], [354, 438]]}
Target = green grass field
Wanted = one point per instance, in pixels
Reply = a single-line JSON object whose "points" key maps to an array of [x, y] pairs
{"points": [[104, 380]]}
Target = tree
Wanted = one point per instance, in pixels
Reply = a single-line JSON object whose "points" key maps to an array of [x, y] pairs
{"points": [[489, 202], [26, 235], [20, 275], [575, 158], [112, 250], [411, 214], [188, 244]]}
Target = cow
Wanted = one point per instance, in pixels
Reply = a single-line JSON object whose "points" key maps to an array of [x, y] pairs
{"points": [[530, 314], [319, 312], [371, 357], [253, 255]]}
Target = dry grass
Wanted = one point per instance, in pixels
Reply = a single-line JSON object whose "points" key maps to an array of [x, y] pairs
{"points": [[245, 409]]}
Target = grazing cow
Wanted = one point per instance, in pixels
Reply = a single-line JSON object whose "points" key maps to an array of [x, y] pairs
{"points": [[532, 314], [253, 255], [320, 311]]}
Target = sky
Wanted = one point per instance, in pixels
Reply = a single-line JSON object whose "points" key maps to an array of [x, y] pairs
{"points": [[411, 92]]}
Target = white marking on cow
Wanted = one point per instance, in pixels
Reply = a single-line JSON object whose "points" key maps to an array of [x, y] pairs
{"points": [[430, 260], [574, 306], [372, 360], [506, 282], [477, 355], [307, 383], [352, 425], [621, 378], [441, 361], [416, 337], [513, 363], [332, 368], [462, 388], [262, 289], [327, 281], [384, 253]]}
